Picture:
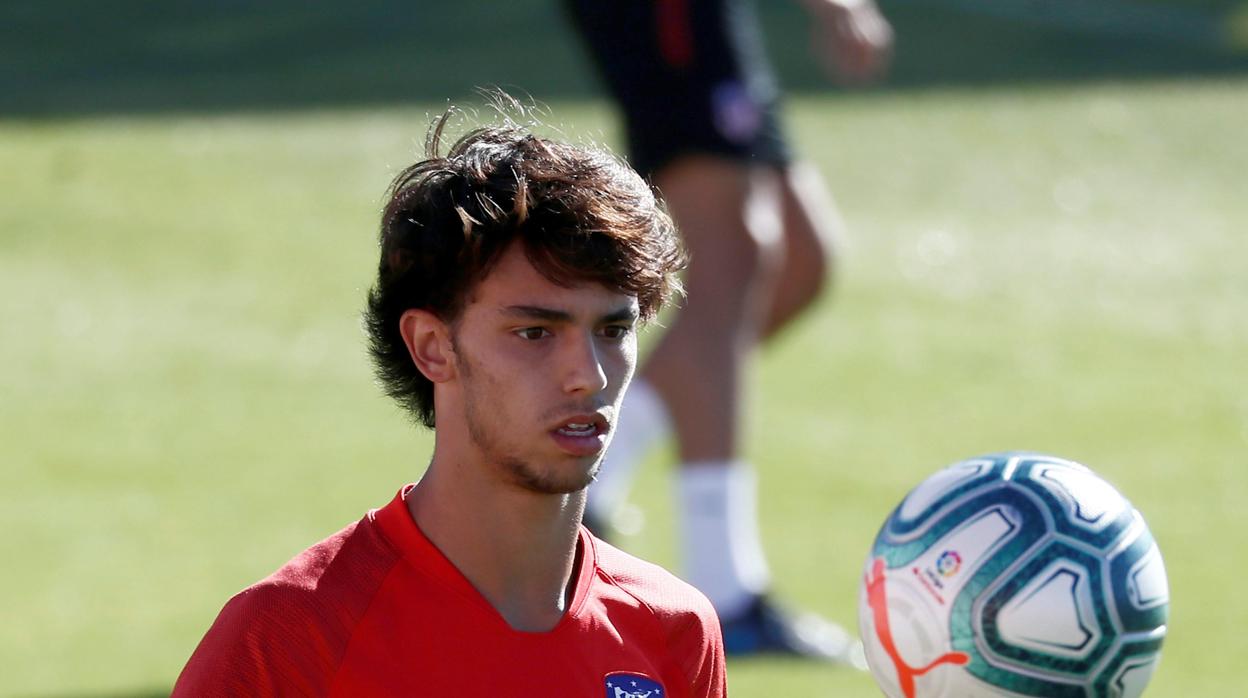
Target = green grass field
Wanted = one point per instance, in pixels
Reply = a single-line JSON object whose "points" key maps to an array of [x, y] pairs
{"points": [[185, 400]]}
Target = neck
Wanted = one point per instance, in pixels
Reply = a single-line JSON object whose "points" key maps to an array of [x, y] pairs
{"points": [[517, 548]]}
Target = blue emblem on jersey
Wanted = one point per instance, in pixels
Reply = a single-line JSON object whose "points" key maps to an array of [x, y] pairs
{"points": [[624, 685]]}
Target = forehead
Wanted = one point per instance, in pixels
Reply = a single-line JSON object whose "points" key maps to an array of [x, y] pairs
{"points": [[513, 280]]}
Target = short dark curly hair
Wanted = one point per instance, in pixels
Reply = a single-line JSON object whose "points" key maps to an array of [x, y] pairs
{"points": [[582, 215]]}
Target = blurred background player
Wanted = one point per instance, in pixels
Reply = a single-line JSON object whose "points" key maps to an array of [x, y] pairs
{"points": [[701, 111]]}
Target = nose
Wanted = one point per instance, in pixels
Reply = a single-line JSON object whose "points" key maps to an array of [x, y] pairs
{"points": [[585, 372]]}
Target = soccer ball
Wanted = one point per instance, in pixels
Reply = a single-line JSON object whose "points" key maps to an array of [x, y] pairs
{"points": [[1014, 574]]}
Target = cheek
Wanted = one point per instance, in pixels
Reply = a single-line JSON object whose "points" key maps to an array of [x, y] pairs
{"points": [[490, 381], [622, 364], [629, 349]]}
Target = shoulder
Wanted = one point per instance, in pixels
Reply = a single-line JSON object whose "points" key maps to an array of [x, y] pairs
{"points": [[290, 630], [687, 621], [663, 592]]}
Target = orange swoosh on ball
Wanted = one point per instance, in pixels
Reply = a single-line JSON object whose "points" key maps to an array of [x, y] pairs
{"points": [[877, 598]]}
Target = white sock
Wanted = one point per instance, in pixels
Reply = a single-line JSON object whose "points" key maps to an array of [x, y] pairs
{"points": [[719, 525], [642, 425]]}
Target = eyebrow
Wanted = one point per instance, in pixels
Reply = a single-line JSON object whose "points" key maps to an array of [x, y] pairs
{"points": [[626, 314]]}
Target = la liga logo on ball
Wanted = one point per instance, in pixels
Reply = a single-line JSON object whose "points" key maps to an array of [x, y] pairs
{"points": [[1014, 574], [948, 563]]}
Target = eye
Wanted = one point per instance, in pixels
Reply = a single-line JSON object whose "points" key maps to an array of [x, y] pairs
{"points": [[616, 331], [532, 333]]}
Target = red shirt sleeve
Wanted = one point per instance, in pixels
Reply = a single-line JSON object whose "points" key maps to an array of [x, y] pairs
{"points": [[698, 640], [262, 644], [286, 635]]}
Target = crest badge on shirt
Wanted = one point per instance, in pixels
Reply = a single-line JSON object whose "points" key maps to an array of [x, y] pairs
{"points": [[626, 685]]}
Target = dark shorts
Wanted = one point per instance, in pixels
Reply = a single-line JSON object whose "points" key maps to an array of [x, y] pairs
{"points": [[691, 77]]}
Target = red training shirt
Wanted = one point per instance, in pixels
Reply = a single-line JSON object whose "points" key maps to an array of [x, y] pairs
{"points": [[377, 610]]}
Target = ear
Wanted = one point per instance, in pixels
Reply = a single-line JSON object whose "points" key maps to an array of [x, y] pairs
{"points": [[428, 341]]}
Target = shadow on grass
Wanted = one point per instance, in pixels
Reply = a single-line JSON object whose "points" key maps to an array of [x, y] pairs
{"points": [[138, 56]]}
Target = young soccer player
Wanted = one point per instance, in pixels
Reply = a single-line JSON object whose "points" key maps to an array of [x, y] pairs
{"points": [[514, 273], [701, 111]]}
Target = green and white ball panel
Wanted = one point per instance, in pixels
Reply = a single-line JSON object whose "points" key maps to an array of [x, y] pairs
{"points": [[1141, 591], [1041, 618]]}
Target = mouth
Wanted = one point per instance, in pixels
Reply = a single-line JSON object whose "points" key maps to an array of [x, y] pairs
{"points": [[582, 434]]}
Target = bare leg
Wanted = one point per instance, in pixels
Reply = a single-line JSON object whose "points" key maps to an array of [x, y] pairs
{"points": [[729, 218], [745, 283], [812, 226]]}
